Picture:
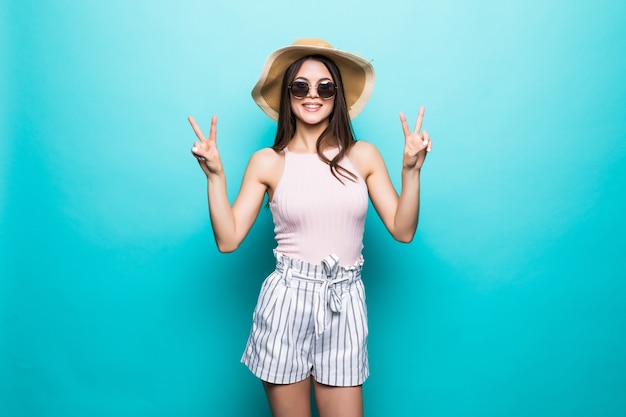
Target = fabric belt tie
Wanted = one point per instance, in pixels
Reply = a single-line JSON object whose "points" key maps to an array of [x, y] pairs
{"points": [[328, 299]]}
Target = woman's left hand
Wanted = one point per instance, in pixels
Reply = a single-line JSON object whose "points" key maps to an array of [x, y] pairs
{"points": [[416, 143]]}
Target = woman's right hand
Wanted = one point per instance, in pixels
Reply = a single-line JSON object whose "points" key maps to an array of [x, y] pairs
{"points": [[205, 150]]}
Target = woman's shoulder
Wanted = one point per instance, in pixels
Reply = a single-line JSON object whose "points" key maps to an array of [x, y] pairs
{"points": [[365, 157], [363, 151], [266, 156], [267, 165], [362, 146]]}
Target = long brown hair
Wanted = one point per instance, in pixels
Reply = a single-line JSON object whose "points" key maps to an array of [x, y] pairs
{"points": [[339, 131]]}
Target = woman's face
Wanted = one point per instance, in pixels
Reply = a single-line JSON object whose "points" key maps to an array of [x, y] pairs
{"points": [[312, 109]]}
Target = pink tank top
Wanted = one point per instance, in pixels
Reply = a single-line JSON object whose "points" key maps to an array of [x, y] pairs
{"points": [[314, 214]]}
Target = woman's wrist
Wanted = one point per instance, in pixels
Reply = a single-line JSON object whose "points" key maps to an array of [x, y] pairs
{"points": [[215, 176], [411, 172]]}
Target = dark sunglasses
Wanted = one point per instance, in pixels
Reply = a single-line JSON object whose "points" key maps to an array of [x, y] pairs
{"points": [[325, 89]]}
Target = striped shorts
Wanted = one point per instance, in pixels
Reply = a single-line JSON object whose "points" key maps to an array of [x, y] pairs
{"points": [[310, 320]]}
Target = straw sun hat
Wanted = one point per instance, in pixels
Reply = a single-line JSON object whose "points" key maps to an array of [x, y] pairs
{"points": [[357, 75]]}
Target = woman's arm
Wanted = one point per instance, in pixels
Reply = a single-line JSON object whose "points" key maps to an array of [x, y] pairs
{"points": [[230, 224], [399, 213]]}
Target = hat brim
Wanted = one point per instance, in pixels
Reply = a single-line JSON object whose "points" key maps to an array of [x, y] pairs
{"points": [[357, 75]]}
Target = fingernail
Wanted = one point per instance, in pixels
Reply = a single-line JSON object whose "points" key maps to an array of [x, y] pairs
{"points": [[194, 149]]}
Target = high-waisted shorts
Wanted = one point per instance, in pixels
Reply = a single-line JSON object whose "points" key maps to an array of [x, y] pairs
{"points": [[310, 320]]}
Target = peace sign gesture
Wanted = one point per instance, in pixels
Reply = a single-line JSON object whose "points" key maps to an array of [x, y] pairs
{"points": [[205, 150], [416, 143]]}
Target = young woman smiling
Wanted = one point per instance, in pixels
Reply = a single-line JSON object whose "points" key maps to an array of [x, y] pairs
{"points": [[310, 322]]}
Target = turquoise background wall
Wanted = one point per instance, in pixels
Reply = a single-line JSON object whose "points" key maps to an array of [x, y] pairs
{"points": [[114, 301]]}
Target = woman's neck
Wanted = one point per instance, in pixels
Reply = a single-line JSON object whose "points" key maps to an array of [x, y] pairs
{"points": [[305, 138]]}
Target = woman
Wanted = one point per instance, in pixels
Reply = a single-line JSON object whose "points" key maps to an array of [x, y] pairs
{"points": [[310, 322]]}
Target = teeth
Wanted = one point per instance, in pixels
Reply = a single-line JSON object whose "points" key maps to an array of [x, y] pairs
{"points": [[312, 106]]}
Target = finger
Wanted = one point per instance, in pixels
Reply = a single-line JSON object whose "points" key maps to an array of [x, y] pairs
{"points": [[420, 117], [195, 151], [196, 128], [198, 151], [213, 131], [427, 141], [196, 155], [405, 126]]}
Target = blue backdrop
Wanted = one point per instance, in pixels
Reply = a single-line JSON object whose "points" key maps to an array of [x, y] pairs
{"points": [[114, 300]]}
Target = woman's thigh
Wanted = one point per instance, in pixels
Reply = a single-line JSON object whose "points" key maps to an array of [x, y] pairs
{"points": [[338, 401], [288, 400]]}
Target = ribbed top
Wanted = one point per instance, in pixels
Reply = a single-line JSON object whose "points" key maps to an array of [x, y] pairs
{"points": [[316, 215]]}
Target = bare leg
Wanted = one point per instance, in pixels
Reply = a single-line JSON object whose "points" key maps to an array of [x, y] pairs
{"points": [[289, 400], [338, 401]]}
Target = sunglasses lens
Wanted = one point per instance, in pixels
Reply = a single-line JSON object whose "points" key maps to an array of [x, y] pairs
{"points": [[326, 89], [299, 89]]}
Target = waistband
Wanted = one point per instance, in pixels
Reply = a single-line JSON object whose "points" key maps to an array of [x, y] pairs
{"points": [[329, 268], [330, 275]]}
